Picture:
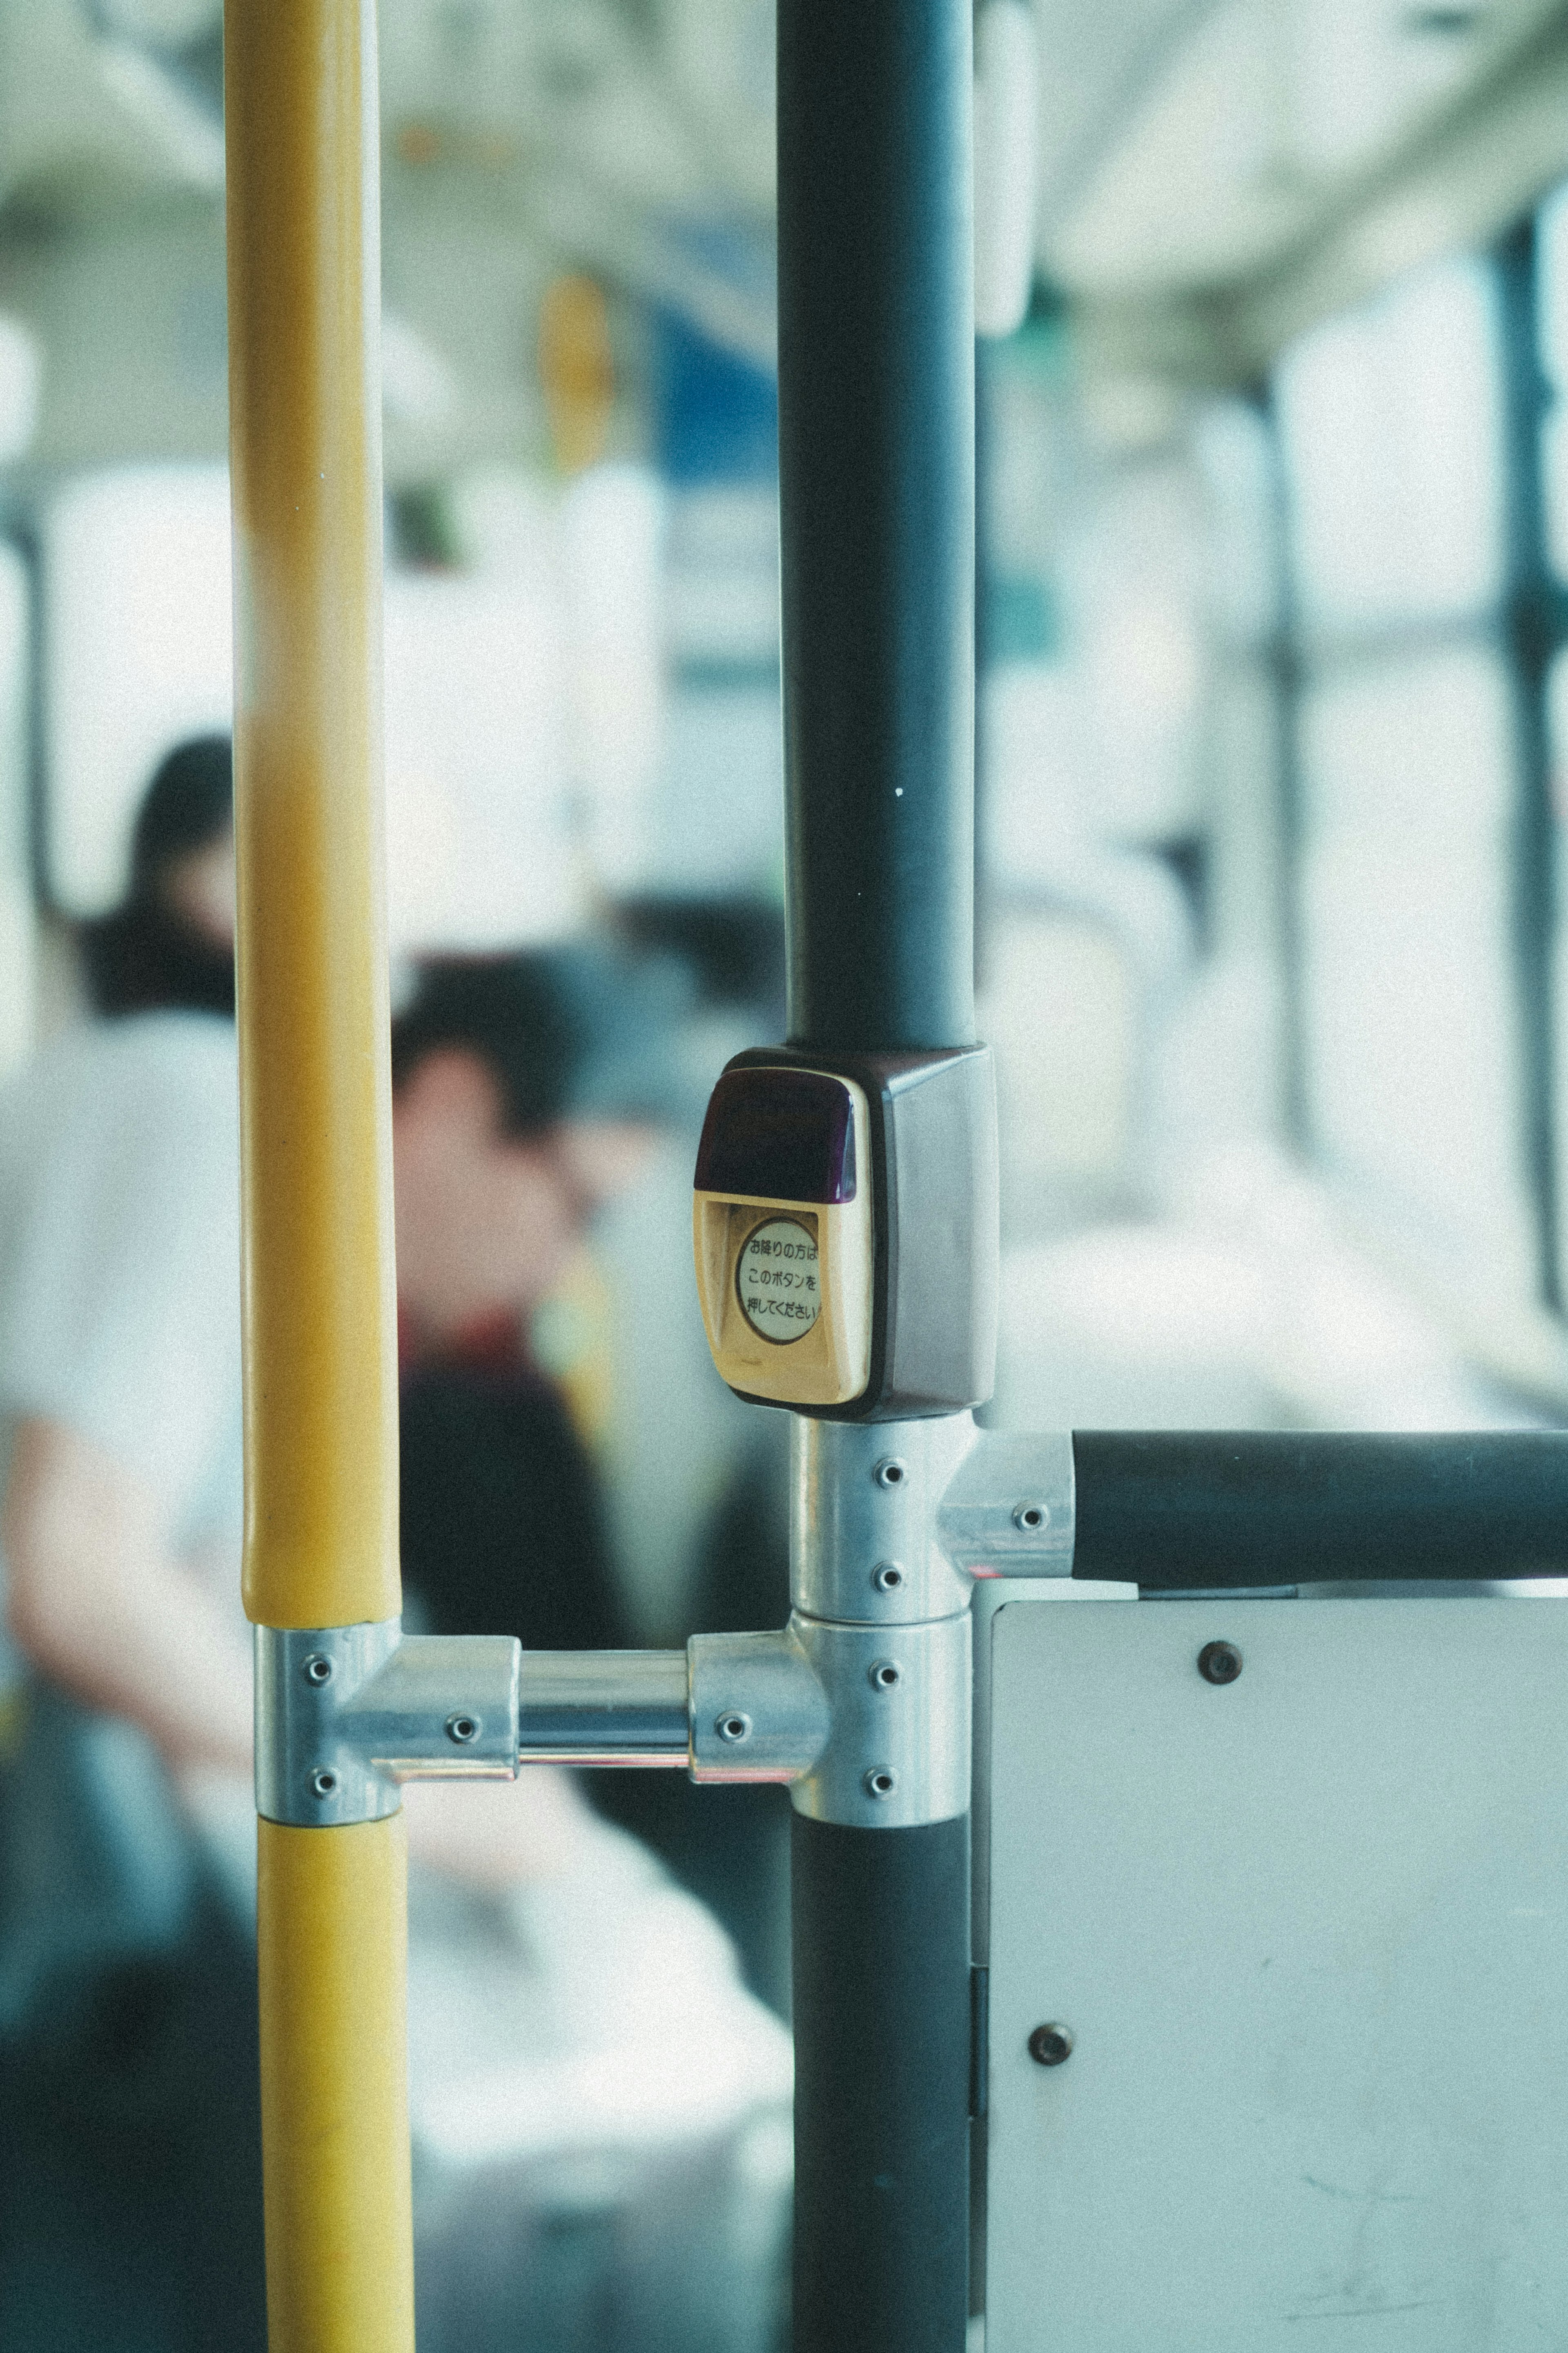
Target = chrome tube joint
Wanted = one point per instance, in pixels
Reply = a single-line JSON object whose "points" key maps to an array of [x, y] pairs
{"points": [[891, 1520], [760, 1710], [345, 1713], [860, 1702], [891, 1523]]}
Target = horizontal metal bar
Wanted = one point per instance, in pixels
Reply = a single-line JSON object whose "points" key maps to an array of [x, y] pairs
{"points": [[604, 1707], [1212, 1509]]}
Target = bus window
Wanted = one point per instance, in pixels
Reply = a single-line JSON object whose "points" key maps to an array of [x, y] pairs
{"points": [[1413, 1087], [1391, 426]]}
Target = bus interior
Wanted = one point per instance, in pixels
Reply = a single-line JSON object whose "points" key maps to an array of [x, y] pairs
{"points": [[1271, 648]]}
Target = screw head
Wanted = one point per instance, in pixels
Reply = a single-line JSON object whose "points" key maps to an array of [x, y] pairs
{"points": [[1050, 2045], [325, 1783], [1219, 1662], [886, 1577], [890, 1472], [317, 1668], [880, 1782], [463, 1728], [882, 1674], [733, 1726], [1030, 1517]]}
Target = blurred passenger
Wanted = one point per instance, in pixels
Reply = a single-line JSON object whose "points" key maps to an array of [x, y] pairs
{"points": [[525, 1093], [129, 2171], [524, 1090], [129, 2163]]}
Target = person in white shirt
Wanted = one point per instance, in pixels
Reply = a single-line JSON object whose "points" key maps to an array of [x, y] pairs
{"points": [[126, 1837]]}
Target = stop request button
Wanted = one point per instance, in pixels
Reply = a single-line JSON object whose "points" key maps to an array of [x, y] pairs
{"points": [[776, 1280]]}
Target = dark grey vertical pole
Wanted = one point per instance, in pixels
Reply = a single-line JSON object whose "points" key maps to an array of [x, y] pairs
{"points": [[984, 633], [1533, 642], [881, 2116], [877, 490], [1287, 676], [877, 498]]}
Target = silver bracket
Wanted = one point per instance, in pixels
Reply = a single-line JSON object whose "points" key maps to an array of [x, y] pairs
{"points": [[861, 1703], [1009, 1508], [890, 1520], [760, 1711], [869, 1724], [899, 1751], [344, 1714], [864, 1546], [891, 1523]]}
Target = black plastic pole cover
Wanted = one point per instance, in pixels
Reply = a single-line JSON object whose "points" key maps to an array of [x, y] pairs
{"points": [[881, 2087], [877, 519], [1204, 1510]]}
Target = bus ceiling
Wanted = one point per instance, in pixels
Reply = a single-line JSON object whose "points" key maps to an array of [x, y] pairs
{"points": [[1211, 176]]}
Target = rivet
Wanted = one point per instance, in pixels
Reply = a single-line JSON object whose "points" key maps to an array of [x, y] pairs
{"points": [[1030, 1516], [1049, 2046], [463, 1728], [880, 1782], [882, 1674], [317, 1668], [886, 1577], [733, 1726], [1219, 1662], [890, 1471], [324, 1784]]}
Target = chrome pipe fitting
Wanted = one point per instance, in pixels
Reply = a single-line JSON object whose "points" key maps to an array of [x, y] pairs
{"points": [[759, 1710], [344, 1714], [861, 1703]]}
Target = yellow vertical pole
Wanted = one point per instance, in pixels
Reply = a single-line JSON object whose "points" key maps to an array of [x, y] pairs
{"points": [[319, 1353]]}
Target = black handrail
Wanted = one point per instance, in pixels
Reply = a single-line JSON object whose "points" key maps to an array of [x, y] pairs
{"points": [[877, 520], [1210, 1510]]}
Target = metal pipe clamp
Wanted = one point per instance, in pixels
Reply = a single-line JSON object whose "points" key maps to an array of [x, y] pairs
{"points": [[344, 1714]]}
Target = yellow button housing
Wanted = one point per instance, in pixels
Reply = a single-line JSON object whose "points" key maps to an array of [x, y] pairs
{"points": [[785, 1285]]}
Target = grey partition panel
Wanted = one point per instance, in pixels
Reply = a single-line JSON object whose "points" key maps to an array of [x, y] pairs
{"points": [[1308, 1932]]}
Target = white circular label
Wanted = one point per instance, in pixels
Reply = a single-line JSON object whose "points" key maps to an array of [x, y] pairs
{"points": [[776, 1280]]}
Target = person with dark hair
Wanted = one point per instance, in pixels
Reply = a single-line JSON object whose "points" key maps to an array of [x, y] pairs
{"points": [[170, 943], [524, 1090]]}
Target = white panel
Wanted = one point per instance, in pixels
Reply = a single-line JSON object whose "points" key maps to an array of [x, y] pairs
{"points": [[1310, 1932]]}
